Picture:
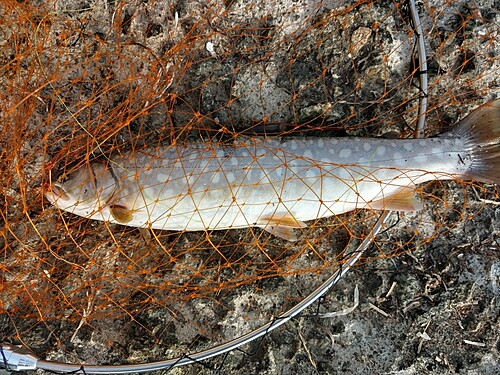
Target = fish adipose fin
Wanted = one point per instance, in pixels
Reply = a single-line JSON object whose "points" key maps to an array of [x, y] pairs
{"points": [[481, 132], [281, 225], [403, 200]]}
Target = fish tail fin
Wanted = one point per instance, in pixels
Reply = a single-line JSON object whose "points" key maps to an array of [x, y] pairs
{"points": [[481, 132]]}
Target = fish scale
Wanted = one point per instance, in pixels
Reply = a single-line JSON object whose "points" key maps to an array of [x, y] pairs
{"points": [[277, 184]]}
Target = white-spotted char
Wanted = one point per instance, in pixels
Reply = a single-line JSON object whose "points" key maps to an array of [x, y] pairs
{"points": [[277, 184]]}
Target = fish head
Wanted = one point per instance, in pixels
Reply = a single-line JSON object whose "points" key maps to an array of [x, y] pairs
{"points": [[84, 192]]}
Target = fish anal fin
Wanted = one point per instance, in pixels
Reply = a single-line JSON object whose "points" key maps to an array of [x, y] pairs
{"points": [[286, 233], [121, 213], [281, 225], [403, 200]]}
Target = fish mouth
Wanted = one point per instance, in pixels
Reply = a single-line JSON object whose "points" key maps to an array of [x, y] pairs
{"points": [[55, 193]]}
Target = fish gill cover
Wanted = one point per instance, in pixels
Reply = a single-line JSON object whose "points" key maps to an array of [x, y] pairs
{"points": [[91, 80]]}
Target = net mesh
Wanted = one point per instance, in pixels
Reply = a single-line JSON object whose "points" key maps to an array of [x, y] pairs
{"points": [[87, 80]]}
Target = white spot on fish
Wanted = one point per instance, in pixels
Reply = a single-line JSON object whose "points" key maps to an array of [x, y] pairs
{"points": [[216, 178], [261, 152], [219, 153], [161, 177], [275, 143], [408, 146], [293, 145], [321, 143], [308, 154], [422, 142], [280, 171], [367, 146], [397, 156], [380, 150], [345, 153], [234, 161], [230, 177]]}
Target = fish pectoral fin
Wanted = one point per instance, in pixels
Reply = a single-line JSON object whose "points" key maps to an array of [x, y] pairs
{"points": [[281, 225], [403, 200], [121, 213]]}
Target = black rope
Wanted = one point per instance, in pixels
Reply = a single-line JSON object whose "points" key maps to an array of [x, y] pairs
{"points": [[224, 358], [186, 356], [392, 225], [78, 371], [261, 338]]}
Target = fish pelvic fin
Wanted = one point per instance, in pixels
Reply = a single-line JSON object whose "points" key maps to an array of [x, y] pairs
{"points": [[281, 225], [481, 132]]}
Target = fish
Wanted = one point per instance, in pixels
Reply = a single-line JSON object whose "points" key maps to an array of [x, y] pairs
{"points": [[277, 184]]}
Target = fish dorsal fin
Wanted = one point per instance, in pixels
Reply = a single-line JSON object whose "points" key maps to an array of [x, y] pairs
{"points": [[281, 225], [403, 200], [121, 213]]}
